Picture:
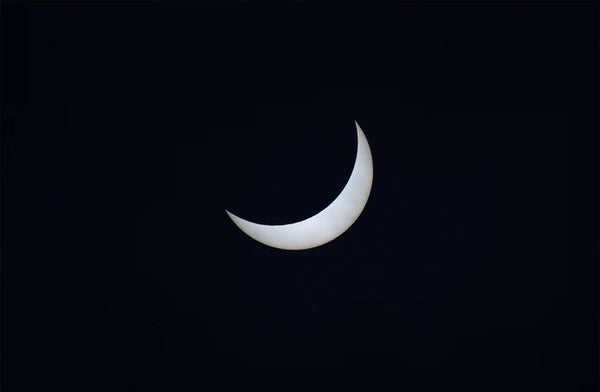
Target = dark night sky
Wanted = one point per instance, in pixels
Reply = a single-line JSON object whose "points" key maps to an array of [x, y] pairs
{"points": [[128, 129]]}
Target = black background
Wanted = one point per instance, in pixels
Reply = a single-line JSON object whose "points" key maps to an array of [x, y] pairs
{"points": [[129, 129]]}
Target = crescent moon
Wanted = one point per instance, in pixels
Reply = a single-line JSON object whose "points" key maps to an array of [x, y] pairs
{"points": [[331, 222]]}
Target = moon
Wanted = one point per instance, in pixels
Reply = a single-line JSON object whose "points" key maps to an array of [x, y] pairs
{"points": [[332, 221]]}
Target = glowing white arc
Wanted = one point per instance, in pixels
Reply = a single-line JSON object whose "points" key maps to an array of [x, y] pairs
{"points": [[331, 222]]}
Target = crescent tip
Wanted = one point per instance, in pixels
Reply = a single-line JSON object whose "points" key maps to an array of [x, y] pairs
{"points": [[358, 128]]}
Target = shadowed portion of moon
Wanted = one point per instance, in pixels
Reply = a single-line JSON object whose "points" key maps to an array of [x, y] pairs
{"points": [[332, 221]]}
